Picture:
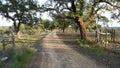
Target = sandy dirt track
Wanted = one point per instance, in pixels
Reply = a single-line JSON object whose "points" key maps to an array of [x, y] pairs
{"points": [[53, 53]]}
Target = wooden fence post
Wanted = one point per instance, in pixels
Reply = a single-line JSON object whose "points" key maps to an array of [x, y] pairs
{"points": [[3, 44], [13, 42], [114, 35]]}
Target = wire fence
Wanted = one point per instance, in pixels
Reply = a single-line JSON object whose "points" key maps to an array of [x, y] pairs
{"points": [[107, 39]]}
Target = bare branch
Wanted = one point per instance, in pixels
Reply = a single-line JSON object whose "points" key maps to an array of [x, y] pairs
{"points": [[47, 9], [107, 2]]}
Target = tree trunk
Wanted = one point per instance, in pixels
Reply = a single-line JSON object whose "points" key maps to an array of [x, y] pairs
{"points": [[76, 29], [17, 29], [63, 27], [82, 28], [83, 32], [63, 30], [13, 42]]}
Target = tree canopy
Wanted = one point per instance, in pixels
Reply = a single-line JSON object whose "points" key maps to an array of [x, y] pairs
{"points": [[83, 12], [19, 11]]}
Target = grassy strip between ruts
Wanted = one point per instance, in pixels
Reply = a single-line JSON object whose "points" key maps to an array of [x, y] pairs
{"points": [[100, 54]]}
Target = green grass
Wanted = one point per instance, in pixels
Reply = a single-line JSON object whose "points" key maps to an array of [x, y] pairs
{"points": [[88, 46], [21, 57], [1, 64], [27, 38]]}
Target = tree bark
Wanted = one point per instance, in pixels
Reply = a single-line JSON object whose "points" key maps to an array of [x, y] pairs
{"points": [[82, 28], [83, 31], [18, 30]]}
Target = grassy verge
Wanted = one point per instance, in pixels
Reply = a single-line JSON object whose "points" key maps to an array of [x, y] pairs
{"points": [[100, 54], [21, 57], [18, 58], [27, 39], [88, 45], [1, 64], [24, 48], [23, 52]]}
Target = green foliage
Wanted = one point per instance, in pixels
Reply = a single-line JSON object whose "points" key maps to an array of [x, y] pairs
{"points": [[30, 30], [46, 24], [87, 9], [19, 11], [99, 27]]}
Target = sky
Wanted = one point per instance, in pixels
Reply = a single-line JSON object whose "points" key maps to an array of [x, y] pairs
{"points": [[112, 23], [5, 22]]}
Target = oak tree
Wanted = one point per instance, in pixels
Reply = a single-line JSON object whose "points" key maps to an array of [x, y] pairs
{"points": [[83, 11], [19, 11]]}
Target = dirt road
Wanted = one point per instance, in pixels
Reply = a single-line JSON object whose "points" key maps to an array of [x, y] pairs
{"points": [[53, 53]]}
